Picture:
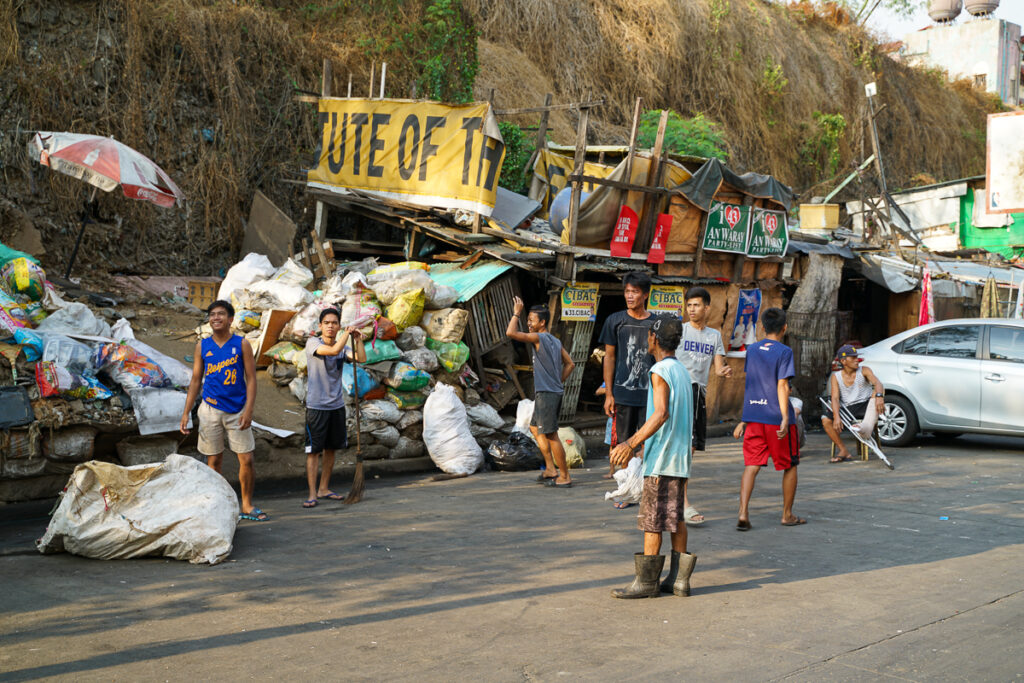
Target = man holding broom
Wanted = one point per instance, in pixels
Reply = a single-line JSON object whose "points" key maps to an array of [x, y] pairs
{"points": [[325, 402]]}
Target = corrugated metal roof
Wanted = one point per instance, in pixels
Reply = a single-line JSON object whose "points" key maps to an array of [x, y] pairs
{"points": [[468, 282]]}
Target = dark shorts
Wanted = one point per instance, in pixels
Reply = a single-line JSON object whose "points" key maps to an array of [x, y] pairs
{"points": [[661, 504], [761, 442], [700, 417], [325, 430], [628, 420], [546, 406], [858, 410]]}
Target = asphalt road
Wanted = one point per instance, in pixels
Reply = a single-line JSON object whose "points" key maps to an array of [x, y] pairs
{"points": [[914, 574]]}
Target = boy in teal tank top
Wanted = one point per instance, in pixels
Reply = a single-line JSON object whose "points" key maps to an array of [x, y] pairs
{"points": [[225, 370]]}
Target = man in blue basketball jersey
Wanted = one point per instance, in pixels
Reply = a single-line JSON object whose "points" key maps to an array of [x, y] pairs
{"points": [[225, 369]]}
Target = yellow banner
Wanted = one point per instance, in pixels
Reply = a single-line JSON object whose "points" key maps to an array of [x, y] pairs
{"points": [[423, 153], [667, 299], [579, 301], [556, 168]]}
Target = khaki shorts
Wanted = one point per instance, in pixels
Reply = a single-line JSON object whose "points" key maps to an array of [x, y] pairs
{"points": [[214, 423]]}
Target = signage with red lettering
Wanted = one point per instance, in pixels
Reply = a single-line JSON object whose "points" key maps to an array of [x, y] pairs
{"points": [[625, 233], [656, 254]]}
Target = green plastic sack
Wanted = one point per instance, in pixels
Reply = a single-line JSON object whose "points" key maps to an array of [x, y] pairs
{"points": [[405, 377], [406, 400], [380, 351], [407, 309], [451, 356], [8, 254], [283, 351]]}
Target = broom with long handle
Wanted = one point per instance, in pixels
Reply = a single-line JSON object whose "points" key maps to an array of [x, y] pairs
{"points": [[355, 494]]}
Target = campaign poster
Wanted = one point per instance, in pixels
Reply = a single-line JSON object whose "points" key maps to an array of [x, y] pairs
{"points": [[579, 301], [667, 299], [744, 331]]}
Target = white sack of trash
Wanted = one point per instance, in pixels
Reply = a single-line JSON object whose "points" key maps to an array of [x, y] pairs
{"points": [[179, 508]]}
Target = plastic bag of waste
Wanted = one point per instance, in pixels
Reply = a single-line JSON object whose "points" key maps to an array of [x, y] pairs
{"points": [[22, 276], [422, 359], [386, 436], [395, 270], [407, 309], [446, 433], [176, 371], [75, 318], [485, 414], [272, 294], [128, 367], [630, 481], [54, 380], [380, 410], [411, 338], [405, 377], [574, 445], [445, 325], [282, 373], [366, 383], [444, 296], [387, 290], [252, 268], [298, 388], [292, 272], [179, 508], [450, 356], [409, 417], [67, 352], [284, 351], [360, 308], [406, 448], [379, 351], [524, 415], [517, 453]]}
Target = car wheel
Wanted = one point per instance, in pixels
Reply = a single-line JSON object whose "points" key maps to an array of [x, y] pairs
{"points": [[897, 425]]}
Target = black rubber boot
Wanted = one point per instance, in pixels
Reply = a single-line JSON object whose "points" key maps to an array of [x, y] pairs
{"points": [[645, 585], [678, 580]]}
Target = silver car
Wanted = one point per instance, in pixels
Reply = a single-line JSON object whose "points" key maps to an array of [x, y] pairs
{"points": [[953, 376]]}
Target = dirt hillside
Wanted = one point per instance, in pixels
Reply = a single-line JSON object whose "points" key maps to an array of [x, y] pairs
{"points": [[206, 88]]}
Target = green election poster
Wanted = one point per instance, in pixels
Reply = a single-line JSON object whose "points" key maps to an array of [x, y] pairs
{"points": [[726, 228]]}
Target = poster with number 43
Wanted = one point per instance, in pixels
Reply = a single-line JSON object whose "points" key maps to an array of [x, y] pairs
{"points": [[748, 230]]}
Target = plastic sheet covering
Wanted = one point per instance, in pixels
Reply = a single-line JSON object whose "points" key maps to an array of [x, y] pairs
{"points": [[158, 410], [179, 508]]}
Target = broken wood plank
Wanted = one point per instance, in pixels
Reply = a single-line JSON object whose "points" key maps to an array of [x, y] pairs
{"points": [[326, 267], [549, 108]]}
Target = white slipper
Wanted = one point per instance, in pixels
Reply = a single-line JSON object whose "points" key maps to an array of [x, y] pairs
{"points": [[689, 513]]}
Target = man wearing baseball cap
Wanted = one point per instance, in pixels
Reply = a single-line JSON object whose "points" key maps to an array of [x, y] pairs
{"points": [[858, 390], [666, 466]]}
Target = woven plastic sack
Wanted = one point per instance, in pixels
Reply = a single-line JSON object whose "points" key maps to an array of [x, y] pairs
{"points": [[406, 400], [380, 351], [380, 410], [446, 433], [405, 377], [423, 359], [411, 338], [252, 268], [395, 270], [22, 276], [179, 508], [366, 383], [284, 351], [128, 367], [445, 325], [407, 309], [292, 272], [360, 309], [389, 289]]}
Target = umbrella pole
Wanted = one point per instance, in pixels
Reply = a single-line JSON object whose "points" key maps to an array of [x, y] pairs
{"points": [[78, 240]]}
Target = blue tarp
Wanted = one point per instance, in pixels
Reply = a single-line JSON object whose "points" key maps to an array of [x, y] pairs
{"points": [[469, 282]]}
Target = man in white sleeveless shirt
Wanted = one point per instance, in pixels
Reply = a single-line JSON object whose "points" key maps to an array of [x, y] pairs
{"points": [[859, 391]]}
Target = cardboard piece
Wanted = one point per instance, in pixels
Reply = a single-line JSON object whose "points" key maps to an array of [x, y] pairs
{"points": [[271, 325], [269, 230]]}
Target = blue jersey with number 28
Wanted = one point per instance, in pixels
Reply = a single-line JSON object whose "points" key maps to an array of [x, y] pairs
{"points": [[224, 374]]}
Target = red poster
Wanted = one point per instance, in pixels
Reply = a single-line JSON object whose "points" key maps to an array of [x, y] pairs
{"points": [[625, 233], [661, 230]]}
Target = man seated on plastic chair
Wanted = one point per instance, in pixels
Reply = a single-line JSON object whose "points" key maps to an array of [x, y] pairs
{"points": [[856, 399]]}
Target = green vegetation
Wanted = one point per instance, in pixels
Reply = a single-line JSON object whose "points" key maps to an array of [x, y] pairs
{"points": [[696, 136], [518, 149], [821, 150]]}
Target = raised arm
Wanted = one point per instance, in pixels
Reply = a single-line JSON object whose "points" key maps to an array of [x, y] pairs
{"points": [[513, 325]]}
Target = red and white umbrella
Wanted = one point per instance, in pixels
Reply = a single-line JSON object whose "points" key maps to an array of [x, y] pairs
{"points": [[105, 163]]}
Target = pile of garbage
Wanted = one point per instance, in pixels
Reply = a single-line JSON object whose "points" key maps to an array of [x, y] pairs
{"points": [[67, 375], [417, 393]]}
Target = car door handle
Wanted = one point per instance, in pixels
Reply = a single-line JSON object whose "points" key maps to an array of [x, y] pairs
{"points": [[995, 378], [913, 370]]}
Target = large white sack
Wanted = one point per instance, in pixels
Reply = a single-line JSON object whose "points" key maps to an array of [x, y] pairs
{"points": [[272, 294], [253, 268], [630, 481], [380, 410], [179, 508], [524, 415], [389, 289], [292, 272], [74, 318], [446, 433]]}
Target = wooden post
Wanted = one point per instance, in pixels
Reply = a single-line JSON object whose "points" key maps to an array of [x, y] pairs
{"points": [[322, 211], [373, 69], [383, 77], [541, 141], [349, 85], [652, 202], [632, 141], [577, 170]]}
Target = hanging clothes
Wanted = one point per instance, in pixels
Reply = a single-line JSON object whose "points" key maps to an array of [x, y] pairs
{"points": [[990, 299], [927, 312]]}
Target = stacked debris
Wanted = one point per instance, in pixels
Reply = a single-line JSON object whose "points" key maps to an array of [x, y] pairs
{"points": [[413, 342], [67, 378]]}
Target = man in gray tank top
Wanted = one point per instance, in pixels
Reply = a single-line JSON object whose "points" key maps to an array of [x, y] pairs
{"points": [[551, 367], [860, 391]]}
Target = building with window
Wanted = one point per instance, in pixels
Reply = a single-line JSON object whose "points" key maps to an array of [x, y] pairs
{"points": [[986, 51]]}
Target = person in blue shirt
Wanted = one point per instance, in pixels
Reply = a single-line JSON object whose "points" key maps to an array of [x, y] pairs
{"points": [[768, 431], [665, 436], [225, 369]]}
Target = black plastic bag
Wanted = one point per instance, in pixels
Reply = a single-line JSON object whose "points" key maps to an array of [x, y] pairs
{"points": [[515, 454]]}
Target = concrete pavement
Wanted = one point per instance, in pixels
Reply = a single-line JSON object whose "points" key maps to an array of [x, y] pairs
{"points": [[496, 578]]}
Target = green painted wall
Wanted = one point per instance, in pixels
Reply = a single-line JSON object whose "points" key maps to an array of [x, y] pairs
{"points": [[997, 240]]}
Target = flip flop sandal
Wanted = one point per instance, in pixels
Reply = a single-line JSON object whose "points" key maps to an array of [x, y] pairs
{"points": [[848, 458], [254, 515], [689, 513], [743, 525], [331, 495], [796, 522], [620, 505], [551, 482], [311, 503], [541, 479]]}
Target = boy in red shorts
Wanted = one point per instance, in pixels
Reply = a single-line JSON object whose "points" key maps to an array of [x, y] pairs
{"points": [[769, 432]]}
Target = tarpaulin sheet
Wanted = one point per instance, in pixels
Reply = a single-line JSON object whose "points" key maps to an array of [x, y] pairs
{"points": [[701, 188], [798, 247], [469, 282]]}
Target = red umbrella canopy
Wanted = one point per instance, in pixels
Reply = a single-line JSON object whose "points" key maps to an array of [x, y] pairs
{"points": [[105, 163]]}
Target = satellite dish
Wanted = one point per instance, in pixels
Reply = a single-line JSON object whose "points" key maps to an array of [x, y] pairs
{"points": [[944, 10]]}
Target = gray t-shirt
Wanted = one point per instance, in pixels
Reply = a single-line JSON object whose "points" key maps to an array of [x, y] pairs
{"points": [[697, 349], [324, 390], [547, 364]]}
